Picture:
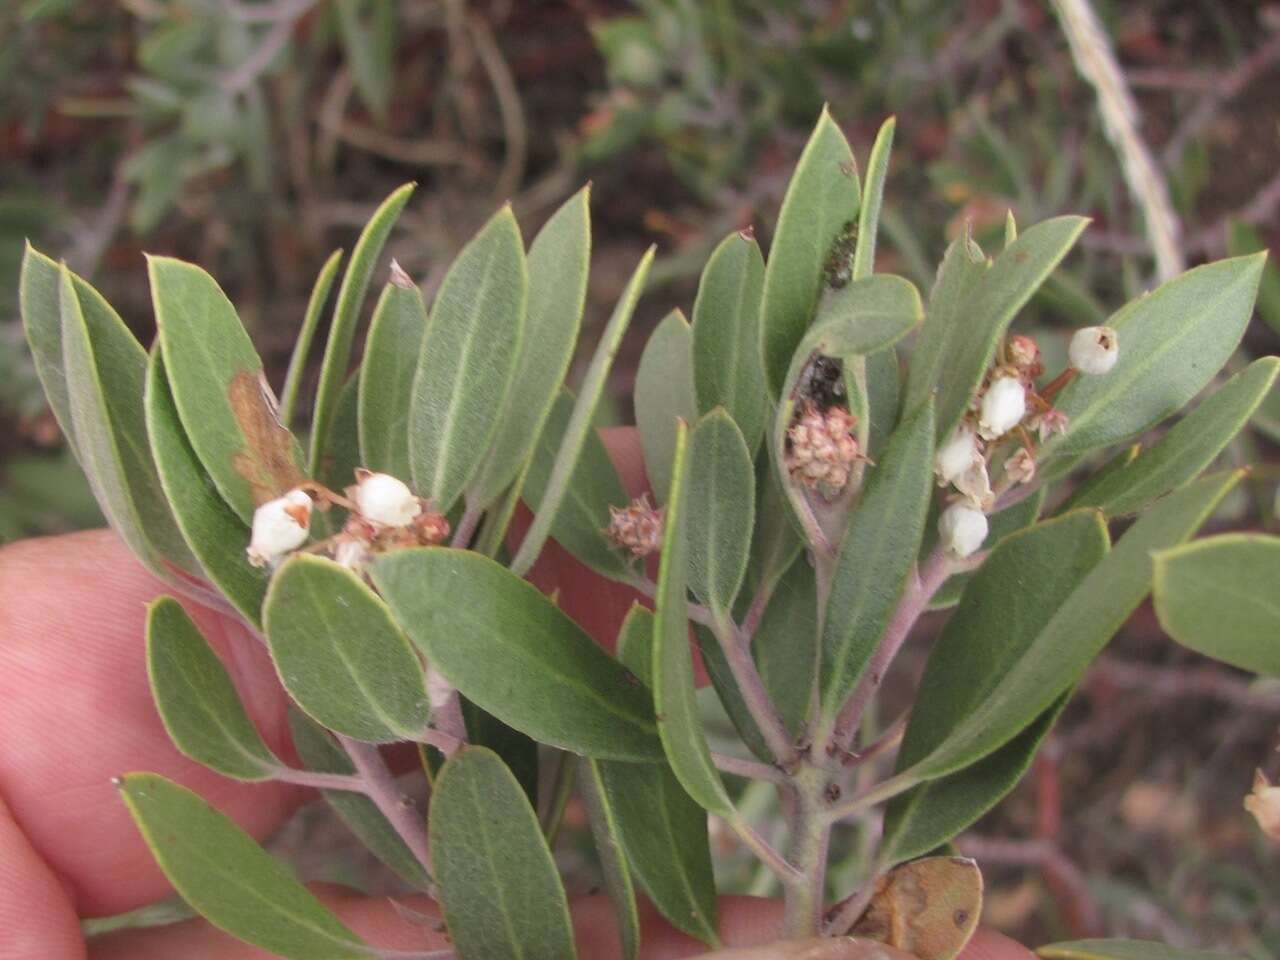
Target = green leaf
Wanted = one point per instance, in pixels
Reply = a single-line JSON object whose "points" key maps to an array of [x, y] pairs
{"points": [[664, 833], [726, 320], [346, 314], [785, 644], [721, 511], [864, 317], [575, 435], [1172, 342], [1125, 950], [635, 643], [821, 203], [971, 308], [884, 383], [386, 376], [1077, 632], [1191, 444], [499, 890], [1218, 597], [1009, 601], [105, 378], [342, 453], [1009, 520], [518, 752], [876, 556], [320, 752], [341, 656], [519, 657], [1243, 239], [583, 515], [212, 530], [39, 303], [673, 692], [864, 257], [559, 261], [198, 703], [306, 334], [774, 542], [614, 866], [664, 394], [227, 410], [231, 881], [468, 360]]}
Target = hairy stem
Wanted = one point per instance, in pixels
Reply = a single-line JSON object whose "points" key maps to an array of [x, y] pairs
{"points": [[383, 790], [810, 842], [751, 769], [921, 587], [321, 781], [759, 704], [771, 858], [446, 711], [884, 791], [467, 527]]}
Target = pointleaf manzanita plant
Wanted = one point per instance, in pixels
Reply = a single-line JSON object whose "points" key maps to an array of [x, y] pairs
{"points": [[828, 458]]}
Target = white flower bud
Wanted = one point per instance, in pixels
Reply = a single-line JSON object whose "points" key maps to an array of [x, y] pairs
{"points": [[1094, 350], [962, 530], [1003, 407], [956, 455], [383, 499], [279, 526]]}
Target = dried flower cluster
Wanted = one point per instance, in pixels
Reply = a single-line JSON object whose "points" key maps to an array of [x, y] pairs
{"points": [[383, 514], [822, 449], [636, 527]]}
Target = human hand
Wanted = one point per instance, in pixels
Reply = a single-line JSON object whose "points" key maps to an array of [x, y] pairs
{"points": [[76, 710]]}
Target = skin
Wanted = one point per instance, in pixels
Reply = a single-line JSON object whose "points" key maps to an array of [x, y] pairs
{"points": [[75, 711]]}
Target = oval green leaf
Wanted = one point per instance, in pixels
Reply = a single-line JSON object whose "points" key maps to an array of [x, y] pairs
{"points": [[726, 320], [346, 314], [320, 752], [1218, 597], [1077, 632], [39, 297], [679, 723], [991, 630], [1172, 342], [512, 651], [212, 530], [574, 437], [391, 355], [340, 654], [226, 408], [876, 556], [664, 394], [198, 703], [559, 261], [499, 889], [231, 881], [105, 379], [664, 833], [468, 359], [721, 510], [821, 203], [1191, 444]]}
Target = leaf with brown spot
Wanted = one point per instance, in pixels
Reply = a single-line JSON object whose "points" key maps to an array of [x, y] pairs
{"points": [[928, 907], [226, 409]]}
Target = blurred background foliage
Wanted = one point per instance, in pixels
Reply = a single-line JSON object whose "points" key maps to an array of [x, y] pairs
{"points": [[254, 136]]}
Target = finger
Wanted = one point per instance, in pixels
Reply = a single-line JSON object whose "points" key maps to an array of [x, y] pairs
{"points": [[36, 914], [77, 710], [989, 945]]}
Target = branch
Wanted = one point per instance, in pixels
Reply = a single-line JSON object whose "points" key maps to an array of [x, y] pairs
{"points": [[883, 791], [383, 790], [320, 781], [755, 697], [786, 872], [751, 769]]}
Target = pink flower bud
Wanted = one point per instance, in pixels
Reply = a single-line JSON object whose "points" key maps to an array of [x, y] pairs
{"points": [[1051, 422], [1264, 804], [1094, 350], [1024, 353], [962, 530], [279, 527], [1021, 467], [382, 499], [1003, 407]]}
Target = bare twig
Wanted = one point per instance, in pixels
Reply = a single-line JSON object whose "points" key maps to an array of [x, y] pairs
{"points": [[247, 73], [1091, 49], [1059, 872], [510, 109], [1206, 681]]}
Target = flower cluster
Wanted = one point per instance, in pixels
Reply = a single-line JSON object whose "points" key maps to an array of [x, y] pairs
{"points": [[383, 514], [822, 449], [636, 527], [1008, 406]]}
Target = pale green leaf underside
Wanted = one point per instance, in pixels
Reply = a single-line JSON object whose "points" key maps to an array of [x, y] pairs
{"points": [[664, 394], [721, 510]]}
